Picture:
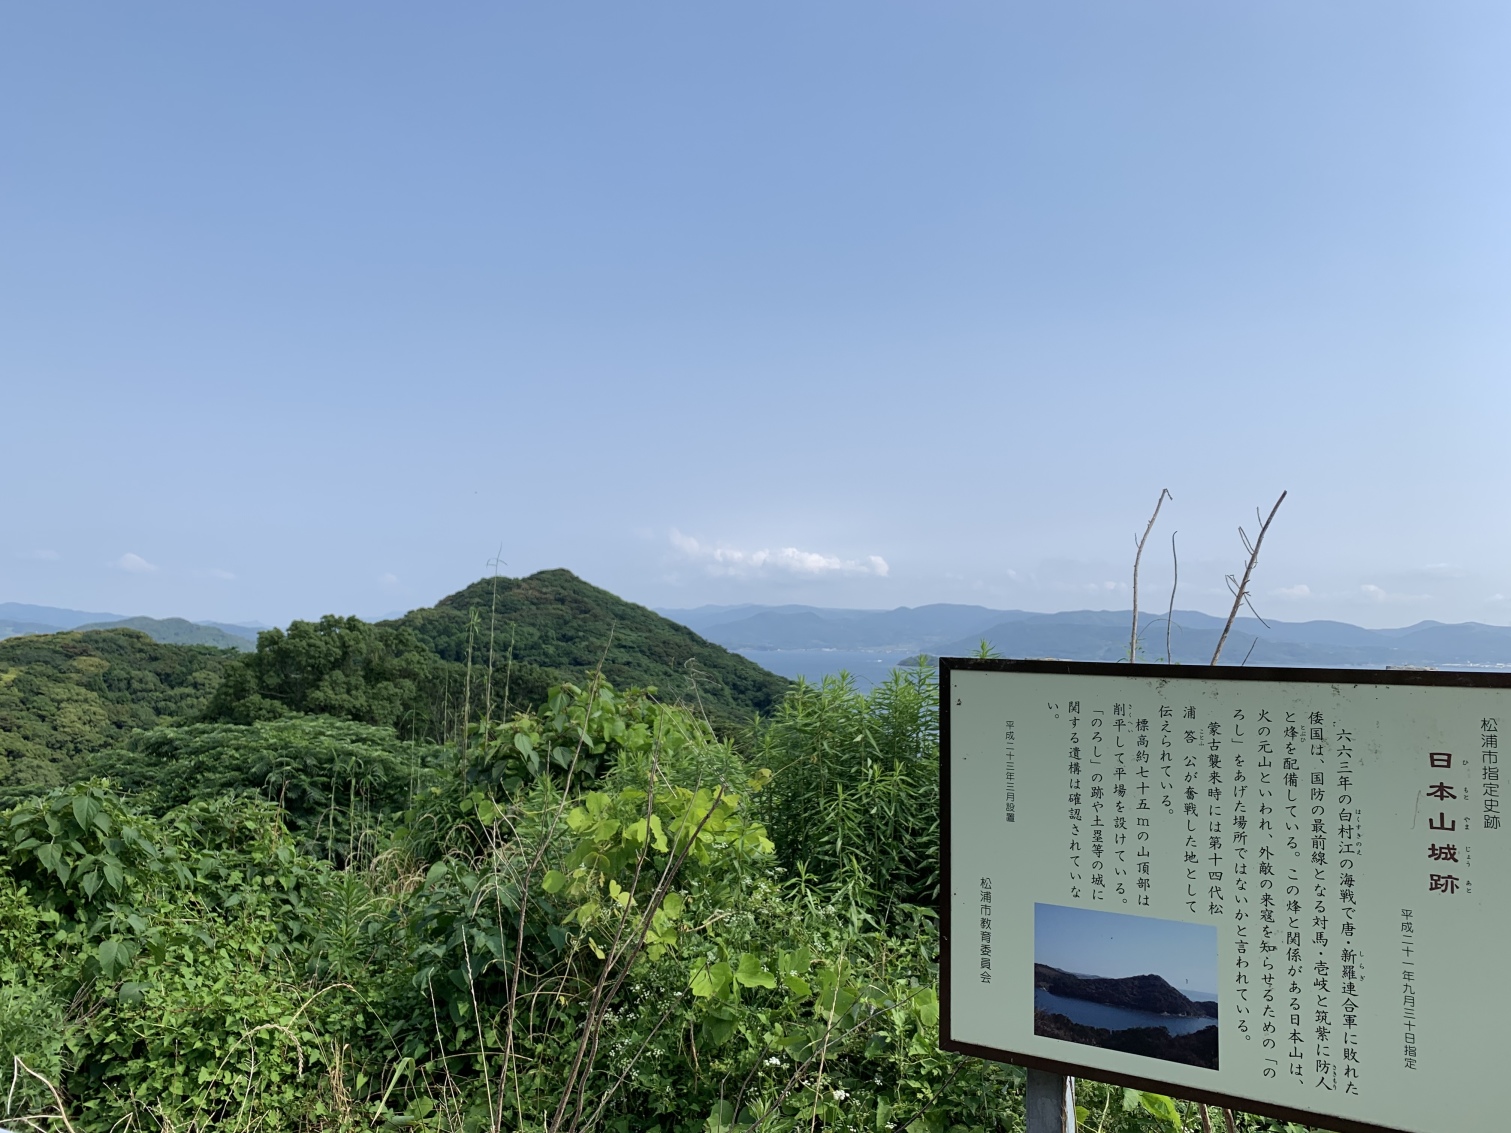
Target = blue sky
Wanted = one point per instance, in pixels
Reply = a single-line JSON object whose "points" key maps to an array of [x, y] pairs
{"points": [[1089, 942], [318, 307]]}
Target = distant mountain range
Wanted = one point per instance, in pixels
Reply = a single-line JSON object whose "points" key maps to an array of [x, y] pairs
{"points": [[793, 639], [177, 631], [18, 618], [813, 640]]}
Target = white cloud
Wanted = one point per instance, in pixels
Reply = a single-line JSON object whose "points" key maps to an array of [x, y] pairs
{"points": [[1380, 594], [41, 553], [736, 563], [223, 575], [133, 563], [1300, 590], [388, 581]]}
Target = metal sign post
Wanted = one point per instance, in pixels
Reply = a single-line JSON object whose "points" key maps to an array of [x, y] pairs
{"points": [[1049, 1103]]}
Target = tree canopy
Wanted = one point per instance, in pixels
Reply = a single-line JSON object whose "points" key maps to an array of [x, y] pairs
{"points": [[555, 620], [64, 695]]}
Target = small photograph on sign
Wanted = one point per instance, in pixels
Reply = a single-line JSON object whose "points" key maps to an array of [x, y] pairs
{"points": [[1141, 985]]}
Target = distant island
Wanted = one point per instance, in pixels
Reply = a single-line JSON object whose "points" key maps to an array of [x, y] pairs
{"points": [[1152, 994], [1149, 995]]}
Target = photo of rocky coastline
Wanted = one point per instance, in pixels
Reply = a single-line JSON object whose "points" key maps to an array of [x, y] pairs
{"points": [[1156, 1013]]}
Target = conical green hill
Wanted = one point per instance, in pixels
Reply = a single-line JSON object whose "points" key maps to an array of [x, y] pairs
{"points": [[561, 623]]}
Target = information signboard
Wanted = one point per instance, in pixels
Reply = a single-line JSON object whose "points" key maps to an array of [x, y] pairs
{"points": [[1283, 890]]}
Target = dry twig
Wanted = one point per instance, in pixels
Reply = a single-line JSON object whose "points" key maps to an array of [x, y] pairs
{"points": [[1242, 589], [1174, 582], [1139, 554]]}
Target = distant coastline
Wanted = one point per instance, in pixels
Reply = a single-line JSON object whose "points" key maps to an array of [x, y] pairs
{"points": [[813, 641], [1196, 1049], [1152, 994]]}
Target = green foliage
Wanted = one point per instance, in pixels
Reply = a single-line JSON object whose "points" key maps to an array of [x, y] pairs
{"points": [[65, 695], [91, 865], [32, 1014], [555, 621], [334, 781], [596, 915], [855, 799], [579, 733], [631, 843], [342, 667], [481, 654]]}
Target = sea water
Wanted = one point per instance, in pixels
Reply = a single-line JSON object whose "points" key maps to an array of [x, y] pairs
{"points": [[1090, 1014]]}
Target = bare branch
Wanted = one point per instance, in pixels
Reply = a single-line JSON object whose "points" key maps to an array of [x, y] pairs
{"points": [[1139, 554], [1248, 572], [1249, 602], [1174, 582]]}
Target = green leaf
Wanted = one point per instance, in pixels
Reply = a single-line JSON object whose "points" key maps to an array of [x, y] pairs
{"points": [[927, 1005], [112, 957], [751, 974], [795, 963], [720, 1118], [554, 881], [132, 992], [84, 811], [711, 981], [1161, 1107], [834, 1003]]}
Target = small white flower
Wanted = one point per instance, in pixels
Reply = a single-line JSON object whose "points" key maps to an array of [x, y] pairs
{"points": [[840, 1095], [773, 1061]]}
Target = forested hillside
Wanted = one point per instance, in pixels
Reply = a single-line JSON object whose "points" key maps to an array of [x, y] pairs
{"points": [[556, 621], [257, 893], [489, 650], [598, 913], [65, 695]]}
